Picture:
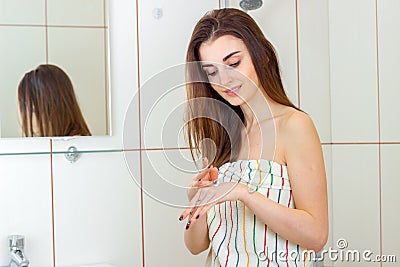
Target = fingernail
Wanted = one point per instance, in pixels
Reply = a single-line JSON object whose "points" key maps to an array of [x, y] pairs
{"points": [[181, 218], [198, 215], [188, 224], [209, 166]]}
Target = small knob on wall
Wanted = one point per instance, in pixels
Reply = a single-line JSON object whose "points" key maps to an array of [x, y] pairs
{"points": [[73, 155]]}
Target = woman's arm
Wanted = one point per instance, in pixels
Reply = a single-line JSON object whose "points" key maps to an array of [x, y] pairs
{"points": [[196, 236], [307, 224]]}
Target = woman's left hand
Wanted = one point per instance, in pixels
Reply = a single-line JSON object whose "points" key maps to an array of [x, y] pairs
{"points": [[207, 196]]}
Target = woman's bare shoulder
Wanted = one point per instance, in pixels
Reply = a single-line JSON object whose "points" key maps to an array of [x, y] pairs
{"points": [[292, 120], [296, 130]]}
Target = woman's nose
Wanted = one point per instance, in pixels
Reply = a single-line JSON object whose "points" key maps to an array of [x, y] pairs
{"points": [[225, 77]]}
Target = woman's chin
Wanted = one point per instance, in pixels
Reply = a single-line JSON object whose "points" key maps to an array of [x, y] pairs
{"points": [[235, 102]]}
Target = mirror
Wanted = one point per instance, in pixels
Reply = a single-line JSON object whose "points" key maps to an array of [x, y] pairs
{"points": [[71, 34]]}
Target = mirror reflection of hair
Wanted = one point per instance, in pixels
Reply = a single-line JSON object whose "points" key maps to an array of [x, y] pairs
{"points": [[47, 104]]}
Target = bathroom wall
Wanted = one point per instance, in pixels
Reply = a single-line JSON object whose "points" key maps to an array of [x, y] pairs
{"points": [[339, 64], [364, 59]]}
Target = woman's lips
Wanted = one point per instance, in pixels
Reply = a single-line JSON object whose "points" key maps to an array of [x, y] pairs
{"points": [[233, 91]]}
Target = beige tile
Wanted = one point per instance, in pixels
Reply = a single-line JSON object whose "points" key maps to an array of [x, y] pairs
{"points": [[390, 199], [162, 54], [353, 71], [278, 22], [163, 41], [23, 51], [163, 109], [81, 54], [389, 66], [355, 195], [314, 64], [22, 12], [76, 12]]}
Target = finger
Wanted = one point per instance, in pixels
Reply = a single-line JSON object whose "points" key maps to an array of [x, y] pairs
{"points": [[198, 177], [204, 210], [213, 174], [186, 213], [205, 183], [198, 214]]}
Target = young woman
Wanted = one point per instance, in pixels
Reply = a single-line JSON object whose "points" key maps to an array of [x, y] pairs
{"points": [[47, 104], [263, 199]]}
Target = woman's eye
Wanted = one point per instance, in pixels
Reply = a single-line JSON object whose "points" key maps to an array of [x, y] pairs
{"points": [[212, 74], [233, 65]]}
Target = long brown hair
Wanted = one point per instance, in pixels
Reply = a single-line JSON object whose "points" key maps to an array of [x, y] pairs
{"points": [[225, 133], [46, 95]]}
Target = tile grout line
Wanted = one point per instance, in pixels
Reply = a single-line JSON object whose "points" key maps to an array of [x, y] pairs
{"points": [[140, 134], [379, 130]]}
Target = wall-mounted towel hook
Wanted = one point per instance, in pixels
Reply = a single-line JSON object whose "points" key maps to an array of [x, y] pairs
{"points": [[72, 155]]}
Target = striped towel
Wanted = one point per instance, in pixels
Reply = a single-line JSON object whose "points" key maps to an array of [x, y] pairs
{"points": [[238, 237]]}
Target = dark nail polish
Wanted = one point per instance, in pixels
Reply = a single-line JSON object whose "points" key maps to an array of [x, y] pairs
{"points": [[181, 218], [188, 224], [198, 216]]}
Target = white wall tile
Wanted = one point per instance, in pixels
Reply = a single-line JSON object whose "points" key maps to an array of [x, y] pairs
{"points": [[278, 22], [163, 41], [97, 210], [390, 155], [163, 109], [355, 188], [352, 34], [75, 12], [163, 44], [389, 67], [277, 19], [26, 205], [314, 64], [165, 174], [22, 12], [18, 56], [81, 53]]}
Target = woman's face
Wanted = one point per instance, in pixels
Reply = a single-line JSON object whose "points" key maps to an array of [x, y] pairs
{"points": [[229, 69]]}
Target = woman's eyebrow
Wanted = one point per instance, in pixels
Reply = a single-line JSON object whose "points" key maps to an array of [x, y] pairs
{"points": [[224, 59], [228, 56], [207, 65]]}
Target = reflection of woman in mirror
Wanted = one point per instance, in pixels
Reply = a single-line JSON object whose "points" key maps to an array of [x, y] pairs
{"points": [[48, 105], [263, 202]]}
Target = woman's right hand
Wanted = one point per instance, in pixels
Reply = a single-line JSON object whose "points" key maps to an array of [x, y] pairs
{"points": [[205, 177]]}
